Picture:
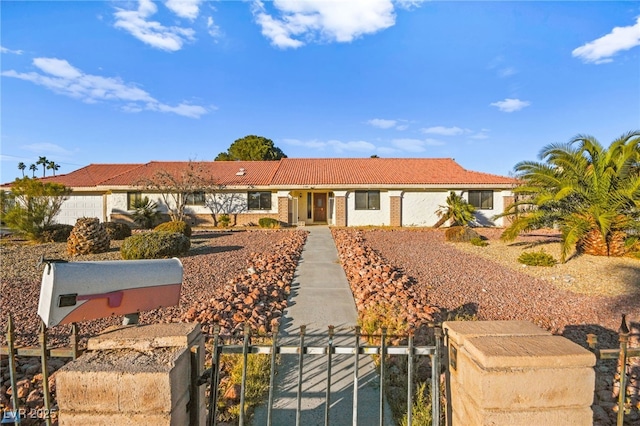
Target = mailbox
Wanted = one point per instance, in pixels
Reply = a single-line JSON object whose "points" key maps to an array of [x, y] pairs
{"points": [[81, 291]]}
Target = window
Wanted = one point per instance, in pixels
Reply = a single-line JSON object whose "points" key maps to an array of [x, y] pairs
{"points": [[132, 199], [309, 205], [259, 200], [367, 200], [482, 200], [195, 199]]}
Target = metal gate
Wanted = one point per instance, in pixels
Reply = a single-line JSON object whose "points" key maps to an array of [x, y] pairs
{"points": [[244, 348]]}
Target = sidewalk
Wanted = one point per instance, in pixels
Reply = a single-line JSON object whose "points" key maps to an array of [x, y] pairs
{"points": [[320, 296]]}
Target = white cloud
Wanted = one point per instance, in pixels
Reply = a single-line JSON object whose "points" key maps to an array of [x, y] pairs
{"points": [[213, 29], [444, 131], [510, 105], [188, 9], [481, 135], [14, 52], [601, 50], [46, 148], [334, 145], [415, 145], [321, 20], [152, 33], [63, 78], [507, 72], [409, 4], [381, 123]]}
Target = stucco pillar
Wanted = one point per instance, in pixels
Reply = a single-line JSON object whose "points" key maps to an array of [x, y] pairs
{"points": [[515, 373], [395, 207], [341, 207], [140, 375]]}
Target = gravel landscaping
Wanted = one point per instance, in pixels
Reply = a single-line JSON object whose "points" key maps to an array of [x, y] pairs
{"points": [[584, 295]]}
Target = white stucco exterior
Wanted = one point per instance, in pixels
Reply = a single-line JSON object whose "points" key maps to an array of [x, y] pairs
{"points": [[379, 217]]}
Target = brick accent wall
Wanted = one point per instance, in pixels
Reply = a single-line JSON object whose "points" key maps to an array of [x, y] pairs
{"points": [[396, 211], [341, 211], [283, 209], [507, 202]]}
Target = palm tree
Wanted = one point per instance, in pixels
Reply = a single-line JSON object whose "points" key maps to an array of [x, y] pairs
{"points": [[591, 193], [457, 209], [52, 165], [44, 162], [21, 167], [33, 169]]}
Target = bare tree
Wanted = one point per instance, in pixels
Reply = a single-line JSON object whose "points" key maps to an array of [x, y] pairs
{"points": [[225, 203], [178, 184]]}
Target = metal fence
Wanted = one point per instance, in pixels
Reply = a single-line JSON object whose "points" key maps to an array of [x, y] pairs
{"points": [[42, 351], [623, 354], [244, 348]]}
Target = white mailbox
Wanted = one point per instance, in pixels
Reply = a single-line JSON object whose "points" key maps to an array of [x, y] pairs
{"points": [[81, 291]]}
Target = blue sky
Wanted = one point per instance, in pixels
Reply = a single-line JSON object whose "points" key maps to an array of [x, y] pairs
{"points": [[486, 83]]}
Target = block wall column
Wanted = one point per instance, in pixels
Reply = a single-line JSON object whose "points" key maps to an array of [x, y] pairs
{"points": [[141, 375], [283, 209], [514, 373], [395, 207], [341, 207]]}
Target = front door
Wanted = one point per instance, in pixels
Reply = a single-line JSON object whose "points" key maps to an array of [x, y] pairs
{"points": [[319, 207]]}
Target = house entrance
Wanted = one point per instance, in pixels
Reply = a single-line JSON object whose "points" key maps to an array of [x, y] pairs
{"points": [[319, 207]]}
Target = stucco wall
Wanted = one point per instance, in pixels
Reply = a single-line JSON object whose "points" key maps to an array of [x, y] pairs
{"points": [[368, 217], [419, 208]]}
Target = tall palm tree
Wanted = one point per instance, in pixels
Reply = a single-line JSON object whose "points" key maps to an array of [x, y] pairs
{"points": [[591, 193], [33, 169], [21, 167], [52, 165], [44, 162]]}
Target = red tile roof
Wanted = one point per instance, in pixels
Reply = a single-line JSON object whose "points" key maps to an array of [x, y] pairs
{"points": [[221, 172], [379, 171], [336, 172]]}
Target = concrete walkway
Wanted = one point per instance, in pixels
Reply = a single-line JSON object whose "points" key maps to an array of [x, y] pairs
{"points": [[320, 296]]}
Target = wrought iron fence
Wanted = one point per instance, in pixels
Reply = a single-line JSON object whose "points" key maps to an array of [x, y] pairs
{"points": [[245, 349], [623, 354], [42, 351]]}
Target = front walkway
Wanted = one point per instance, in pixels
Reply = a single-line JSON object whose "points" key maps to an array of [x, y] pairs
{"points": [[320, 296]]}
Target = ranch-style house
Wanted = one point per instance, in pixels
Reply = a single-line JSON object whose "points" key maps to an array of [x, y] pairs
{"points": [[403, 192]]}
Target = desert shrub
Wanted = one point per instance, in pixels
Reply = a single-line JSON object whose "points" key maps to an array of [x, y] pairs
{"points": [[268, 222], [478, 241], [224, 220], [537, 258], [57, 233], [175, 226], [421, 408], [460, 234], [154, 245], [145, 212], [117, 230]]}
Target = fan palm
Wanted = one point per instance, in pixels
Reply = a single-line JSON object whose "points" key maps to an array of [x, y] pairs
{"points": [[591, 193], [457, 210]]}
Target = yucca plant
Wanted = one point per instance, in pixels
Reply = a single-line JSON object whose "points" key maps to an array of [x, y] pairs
{"points": [[590, 193]]}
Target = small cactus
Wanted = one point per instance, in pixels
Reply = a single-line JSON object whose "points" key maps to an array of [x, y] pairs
{"points": [[88, 236]]}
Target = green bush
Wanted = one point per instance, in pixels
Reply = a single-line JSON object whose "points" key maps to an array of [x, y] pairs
{"points": [[57, 233], [460, 234], [537, 258], [478, 241], [175, 226], [268, 222], [154, 245], [224, 220], [117, 230]]}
